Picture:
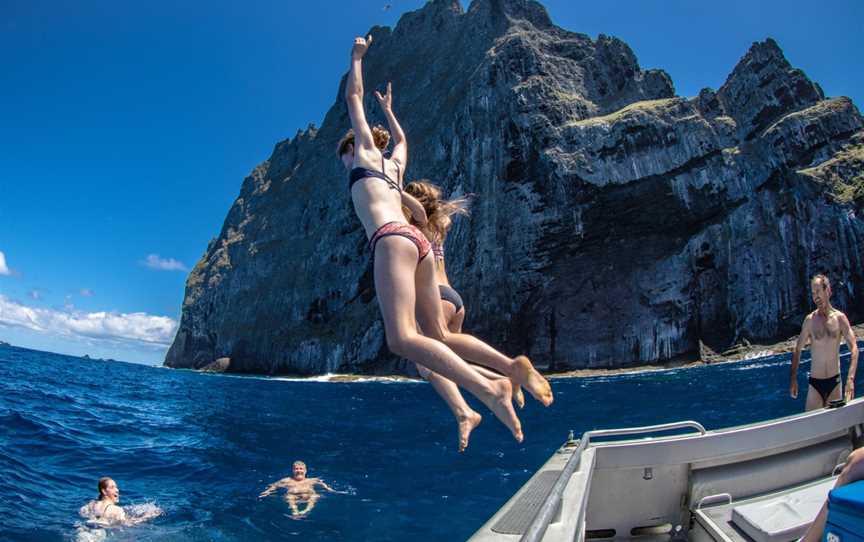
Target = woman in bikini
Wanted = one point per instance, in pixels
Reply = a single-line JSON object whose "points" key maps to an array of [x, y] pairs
{"points": [[405, 277], [439, 213], [105, 511]]}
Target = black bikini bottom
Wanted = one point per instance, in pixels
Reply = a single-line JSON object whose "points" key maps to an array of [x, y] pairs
{"points": [[451, 295]]}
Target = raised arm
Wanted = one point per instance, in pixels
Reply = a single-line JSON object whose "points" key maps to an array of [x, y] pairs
{"points": [[400, 143], [803, 337], [354, 96], [852, 343]]}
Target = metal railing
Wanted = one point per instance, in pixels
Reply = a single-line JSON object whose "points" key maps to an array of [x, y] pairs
{"points": [[547, 510]]}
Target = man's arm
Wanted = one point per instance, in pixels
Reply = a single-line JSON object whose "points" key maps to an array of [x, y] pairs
{"points": [[354, 96], [320, 482], [400, 143], [852, 343], [796, 357], [273, 487]]}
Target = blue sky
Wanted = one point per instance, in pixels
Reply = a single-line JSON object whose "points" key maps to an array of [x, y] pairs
{"points": [[126, 129]]}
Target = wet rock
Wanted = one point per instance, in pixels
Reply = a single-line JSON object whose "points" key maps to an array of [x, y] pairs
{"points": [[220, 365]]}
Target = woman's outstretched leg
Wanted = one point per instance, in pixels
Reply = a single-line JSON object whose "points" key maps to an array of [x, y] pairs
{"points": [[395, 266], [454, 320], [466, 417], [431, 318]]}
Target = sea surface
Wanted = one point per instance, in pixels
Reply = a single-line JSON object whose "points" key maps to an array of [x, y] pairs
{"points": [[203, 446]]}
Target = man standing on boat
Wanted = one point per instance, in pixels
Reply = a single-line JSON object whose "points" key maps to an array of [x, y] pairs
{"points": [[824, 328]]}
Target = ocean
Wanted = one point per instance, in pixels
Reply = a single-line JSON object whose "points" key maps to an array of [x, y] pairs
{"points": [[203, 446]]}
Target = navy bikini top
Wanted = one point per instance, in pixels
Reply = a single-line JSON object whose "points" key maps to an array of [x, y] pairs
{"points": [[362, 173]]}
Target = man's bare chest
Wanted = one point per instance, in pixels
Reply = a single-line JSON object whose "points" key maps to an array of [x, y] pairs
{"points": [[826, 329]]}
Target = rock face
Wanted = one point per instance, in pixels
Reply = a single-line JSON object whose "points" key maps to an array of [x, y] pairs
{"points": [[615, 223]]}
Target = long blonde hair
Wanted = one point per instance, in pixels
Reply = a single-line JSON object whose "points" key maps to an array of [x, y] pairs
{"points": [[438, 211]]}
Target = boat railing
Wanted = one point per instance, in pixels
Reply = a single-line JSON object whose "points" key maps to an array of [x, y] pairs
{"points": [[547, 510]]}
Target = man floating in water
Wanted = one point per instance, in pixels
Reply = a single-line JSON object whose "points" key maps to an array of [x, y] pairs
{"points": [[300, 490], [824, 327]]}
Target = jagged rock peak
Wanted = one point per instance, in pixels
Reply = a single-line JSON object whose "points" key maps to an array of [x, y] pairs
{"points": [[763, 86], [503, 10]]}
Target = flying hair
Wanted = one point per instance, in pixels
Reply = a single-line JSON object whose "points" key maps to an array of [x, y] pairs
{"points": [[438, 211]]}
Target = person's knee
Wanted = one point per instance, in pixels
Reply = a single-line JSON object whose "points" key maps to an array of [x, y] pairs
{"points": [[424, 372], [399, 343], [437, 332], [854, 469]]}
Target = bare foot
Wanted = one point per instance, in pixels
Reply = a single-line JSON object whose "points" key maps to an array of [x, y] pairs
{"points": [[501, 404], [518, 396], [525, 374], [467, 424]]}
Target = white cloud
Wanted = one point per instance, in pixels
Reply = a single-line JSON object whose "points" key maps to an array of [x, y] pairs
{"points": [[4, 269], [153, 261], [35, 294], [137, 327], [86, 292]]}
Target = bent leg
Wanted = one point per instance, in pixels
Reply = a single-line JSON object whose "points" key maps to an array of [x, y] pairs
{"points": [[395, 266], [466, 417], [292, 502], [310, 504], [431, 318]]}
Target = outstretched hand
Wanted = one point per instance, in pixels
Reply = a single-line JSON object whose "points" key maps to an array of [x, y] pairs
{"points": [[360, 47], [385, 100]]}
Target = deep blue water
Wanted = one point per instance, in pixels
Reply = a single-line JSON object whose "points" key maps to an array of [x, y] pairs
{"points": [[203, 446]]}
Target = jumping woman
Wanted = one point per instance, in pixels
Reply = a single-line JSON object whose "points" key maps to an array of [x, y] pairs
{"points": [[435, 229], [404, 274]]}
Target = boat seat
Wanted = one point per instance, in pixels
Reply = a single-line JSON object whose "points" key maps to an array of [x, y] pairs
{"points": [[782, 516], [772, 473]]}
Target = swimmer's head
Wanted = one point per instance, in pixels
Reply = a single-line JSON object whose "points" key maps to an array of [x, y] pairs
{"points": [[108, 489], [345, 149], [820, 289], [298, 470]]}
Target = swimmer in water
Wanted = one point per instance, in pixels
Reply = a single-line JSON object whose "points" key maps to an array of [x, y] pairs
{"points": [[300, 490], [105, 510], [404, 274], [439, 213], [825, 328]]}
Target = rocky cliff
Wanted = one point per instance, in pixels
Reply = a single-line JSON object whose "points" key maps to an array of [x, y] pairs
{"points": [[615, 223]]}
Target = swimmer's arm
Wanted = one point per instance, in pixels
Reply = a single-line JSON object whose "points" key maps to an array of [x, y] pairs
{"points": [[400, 142], [852, 343], [354, 96], [273, 487], [796, 357], [320, 482], [141, 519], [418, 213]]}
